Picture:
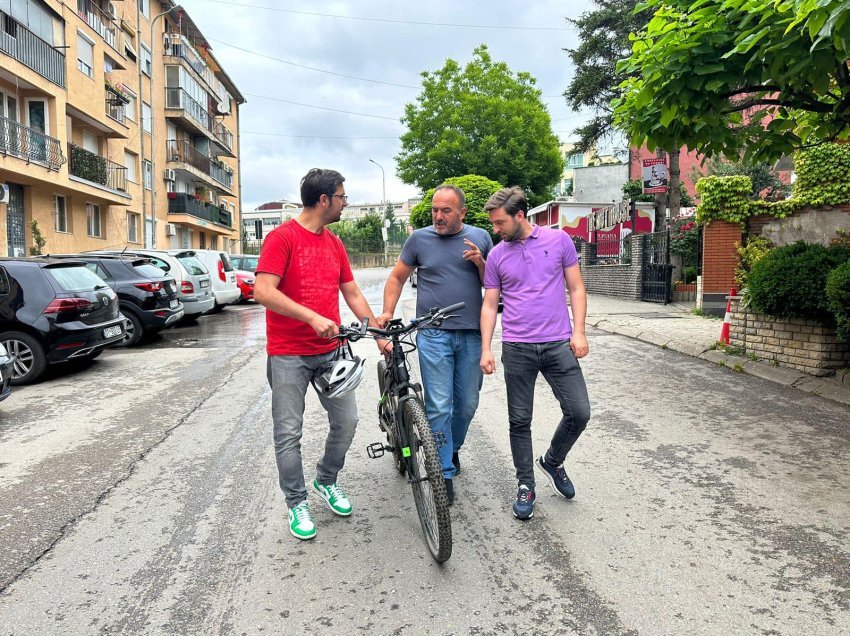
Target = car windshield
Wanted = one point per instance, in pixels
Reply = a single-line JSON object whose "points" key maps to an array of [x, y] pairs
{"points": [[161, 264], [192, 265], [148, 270], [75, 278], [249, 263]]}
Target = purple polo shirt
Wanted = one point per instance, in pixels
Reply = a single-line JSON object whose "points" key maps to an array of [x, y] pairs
{"points": [[530, 274]]}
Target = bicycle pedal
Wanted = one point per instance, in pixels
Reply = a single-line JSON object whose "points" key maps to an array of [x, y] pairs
{"points": [[440, 439], [375, 450]]}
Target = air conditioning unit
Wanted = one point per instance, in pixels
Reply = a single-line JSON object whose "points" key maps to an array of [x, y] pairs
{"points": [[4, 193], [170, 229], [109, 9], [170, 175]]}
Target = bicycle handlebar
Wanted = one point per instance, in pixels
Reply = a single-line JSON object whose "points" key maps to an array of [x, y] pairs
{"points": [[435, 315]]}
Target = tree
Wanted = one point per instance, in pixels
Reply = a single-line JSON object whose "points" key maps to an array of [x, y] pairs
{"points": [[478, 191], [480, 119], [739, 78], [765, 180], [38, 239], [604, 39], [361, 235]]}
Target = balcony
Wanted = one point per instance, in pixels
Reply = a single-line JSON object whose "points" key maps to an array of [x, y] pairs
{"points": [[199, 118], [30, 144], [19, 42], [176, 45], [96, 169], [184, 152], [182, 203], [98, 20], [116, 100]]}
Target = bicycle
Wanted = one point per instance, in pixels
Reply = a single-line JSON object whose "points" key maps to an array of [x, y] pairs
{"points": [[401, 416]]}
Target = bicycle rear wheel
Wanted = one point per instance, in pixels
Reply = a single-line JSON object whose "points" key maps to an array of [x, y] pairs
{"points": [[426, 478], [387, 418]]}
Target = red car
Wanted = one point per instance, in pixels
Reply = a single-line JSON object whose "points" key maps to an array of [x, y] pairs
{"points": [[245, 281]]}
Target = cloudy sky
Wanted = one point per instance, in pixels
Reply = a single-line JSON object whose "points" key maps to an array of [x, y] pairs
{"points": [[367, 57]]}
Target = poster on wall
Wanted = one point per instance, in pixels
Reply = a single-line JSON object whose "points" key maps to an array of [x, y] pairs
{"points": [[654, 176]]}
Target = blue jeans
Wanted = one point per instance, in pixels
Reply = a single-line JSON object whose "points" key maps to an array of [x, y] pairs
{"points": [[451, 374], [289, 378], [522, 361]]}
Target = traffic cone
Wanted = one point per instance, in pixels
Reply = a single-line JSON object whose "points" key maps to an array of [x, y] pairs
{"points": [[727, 319]]}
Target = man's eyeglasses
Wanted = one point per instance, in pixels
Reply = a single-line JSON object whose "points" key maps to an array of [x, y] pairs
{"points": [[344, 197]]}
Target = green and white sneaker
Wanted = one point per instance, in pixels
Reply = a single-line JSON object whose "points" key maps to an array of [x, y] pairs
{"points": [[301, 522], [334, 497]]}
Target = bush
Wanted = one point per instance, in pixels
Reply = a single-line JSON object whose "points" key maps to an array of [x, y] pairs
{"points": [[689, 275], [749, 254], [790, 281], [478, 191], [684, 241], [838, 297]]}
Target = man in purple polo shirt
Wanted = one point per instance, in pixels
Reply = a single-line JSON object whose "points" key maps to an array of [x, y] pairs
{"points": [[530, 267]]}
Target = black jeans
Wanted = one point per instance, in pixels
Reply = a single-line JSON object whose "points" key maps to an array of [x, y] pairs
{"points": [[555, 360]]}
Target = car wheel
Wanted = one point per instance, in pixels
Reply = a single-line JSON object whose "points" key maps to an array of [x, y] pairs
{"points": [[30, 359], [134, 330]]}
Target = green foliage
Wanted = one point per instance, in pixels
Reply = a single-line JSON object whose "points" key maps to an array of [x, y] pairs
{"points": [[87, 165], [478, 191], [838, 299], [689, 274], [38, 239], [765, 181], [823, 174], [361, 235], [480, 119], [738, 77], [754, 249], [684, 241], [724, 199], [790, 281], [633, 189]]}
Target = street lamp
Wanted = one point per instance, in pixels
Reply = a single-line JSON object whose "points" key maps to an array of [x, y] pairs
{"points": [[383, 181], [153, 128]]}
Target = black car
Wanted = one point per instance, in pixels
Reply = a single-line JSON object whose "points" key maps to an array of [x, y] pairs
{"points": [[54, 310], [148, 298], [7, 370]]}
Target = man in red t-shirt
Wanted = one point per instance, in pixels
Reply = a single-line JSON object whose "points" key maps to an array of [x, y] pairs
{"points": [[302, 269]]}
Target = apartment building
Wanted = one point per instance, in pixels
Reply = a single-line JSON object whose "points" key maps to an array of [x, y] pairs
{"points": [[118, 127]]}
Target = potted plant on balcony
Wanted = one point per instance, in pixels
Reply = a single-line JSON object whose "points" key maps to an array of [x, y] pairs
{"points": [[119, 93]]}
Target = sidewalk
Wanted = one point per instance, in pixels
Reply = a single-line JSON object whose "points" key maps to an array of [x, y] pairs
{"points": [[673, 326]]}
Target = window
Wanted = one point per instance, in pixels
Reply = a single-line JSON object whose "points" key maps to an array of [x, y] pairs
{"points": [[132, 227], [146, 61], [130, 164], [147, 174], [130, 106], [93, 220], [202, 237], [85, 55], [60, 213], [145, 8], [576, 160], [146, 117]]}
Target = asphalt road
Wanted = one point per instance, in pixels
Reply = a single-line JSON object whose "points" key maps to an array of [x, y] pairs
{"points": [[138, 495]]}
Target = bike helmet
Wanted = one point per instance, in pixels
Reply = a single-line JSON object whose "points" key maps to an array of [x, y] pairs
{"points": [[339, 375]]}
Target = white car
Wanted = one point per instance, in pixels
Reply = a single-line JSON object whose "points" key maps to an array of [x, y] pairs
{"points": [[223, 277]]}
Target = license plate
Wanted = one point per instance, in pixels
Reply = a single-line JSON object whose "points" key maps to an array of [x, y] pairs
{"points": [[111, 332], [173, 304], [205, 283]]}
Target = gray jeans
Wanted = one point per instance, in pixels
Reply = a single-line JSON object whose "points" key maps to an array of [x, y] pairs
{"points": [[555, 360], [289, 378]]}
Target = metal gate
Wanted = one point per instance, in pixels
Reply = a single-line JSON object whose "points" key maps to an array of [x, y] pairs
{"points": [[15, 235], [657, 271]]}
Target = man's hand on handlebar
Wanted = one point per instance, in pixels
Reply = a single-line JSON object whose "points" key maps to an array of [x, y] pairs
{"points": [[383, 319], [324, 327]]}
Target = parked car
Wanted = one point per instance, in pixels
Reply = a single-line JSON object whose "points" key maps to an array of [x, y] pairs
{"points": [[245, 282], [147, 296], [7, 370], [245, 262], [189, 274], [224, 287], [53, 310]]}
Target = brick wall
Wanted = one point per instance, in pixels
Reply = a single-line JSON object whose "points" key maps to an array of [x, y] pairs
{"points": [[802, 345], [622, 281], [719, 260]]}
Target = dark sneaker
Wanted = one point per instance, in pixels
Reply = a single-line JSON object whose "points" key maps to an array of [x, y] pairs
{"points": [[456, 462], [301, 522], [558, 478], [450, 490], [524, 504], [335, 498]]}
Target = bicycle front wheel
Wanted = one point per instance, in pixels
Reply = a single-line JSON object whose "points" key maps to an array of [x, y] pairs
{"points": [[426, 478]]}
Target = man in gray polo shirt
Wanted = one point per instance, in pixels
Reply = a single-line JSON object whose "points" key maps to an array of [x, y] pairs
{"points": [[450, 257]]}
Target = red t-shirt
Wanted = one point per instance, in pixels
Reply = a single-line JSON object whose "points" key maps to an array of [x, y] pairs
{"points": [[311, 268]]}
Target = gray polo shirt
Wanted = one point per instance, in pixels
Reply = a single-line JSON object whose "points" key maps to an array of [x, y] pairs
{"points": [[444, 276]]}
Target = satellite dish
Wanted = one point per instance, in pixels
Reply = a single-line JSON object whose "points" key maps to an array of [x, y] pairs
{"points": [[223, 108]]}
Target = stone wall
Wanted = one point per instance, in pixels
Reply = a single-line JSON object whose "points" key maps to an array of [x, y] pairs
{"points": [[810, 225], [622, 281], [802, 345]]}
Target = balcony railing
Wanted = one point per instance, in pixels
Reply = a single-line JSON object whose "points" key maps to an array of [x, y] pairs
{"points": [[178, 46], [98, 20], [179, 98], [30, 144], [25, 46], [184, 152], [115, 103], [182, 203], [92, 167]]}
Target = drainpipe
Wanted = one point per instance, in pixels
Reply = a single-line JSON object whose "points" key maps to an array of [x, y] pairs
{"points": [[139, 113]]}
